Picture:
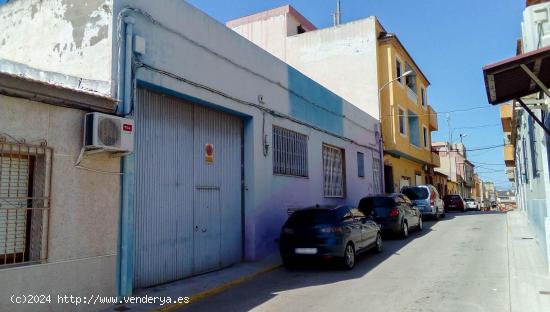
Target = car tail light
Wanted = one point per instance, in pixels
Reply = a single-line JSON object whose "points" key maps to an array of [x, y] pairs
{"points": [[331, 229], [288, 231], [394, 213], [432, 199]]}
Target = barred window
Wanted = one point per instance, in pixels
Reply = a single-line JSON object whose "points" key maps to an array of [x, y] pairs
{"points": [[289, 152], [360, 165], [333, 171], [376, 175], [24, 202]]}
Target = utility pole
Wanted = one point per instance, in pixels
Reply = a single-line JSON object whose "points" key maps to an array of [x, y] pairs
{"points": [[337, 17]]}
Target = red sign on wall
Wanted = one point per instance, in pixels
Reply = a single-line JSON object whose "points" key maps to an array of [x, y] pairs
{"points": [[209, 153]]}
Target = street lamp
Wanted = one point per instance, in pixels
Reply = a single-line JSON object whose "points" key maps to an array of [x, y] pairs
{"points": [[407, 73], [462, 136]]}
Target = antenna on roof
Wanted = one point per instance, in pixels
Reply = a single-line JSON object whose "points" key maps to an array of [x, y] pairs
{"points": [[337, 16]]}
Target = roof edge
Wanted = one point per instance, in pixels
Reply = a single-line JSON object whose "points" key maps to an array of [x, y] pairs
{"points": [[263, 15]]}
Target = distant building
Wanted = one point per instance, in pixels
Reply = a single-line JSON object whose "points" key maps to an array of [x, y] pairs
{"points": [[457, 167], [489, 193], [506, 197], [363, 63]]}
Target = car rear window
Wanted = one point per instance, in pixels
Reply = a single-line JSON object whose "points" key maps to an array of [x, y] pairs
{"points": [[312, 217], [469, 200], [373, 202], [452, 197], [414, 193]]}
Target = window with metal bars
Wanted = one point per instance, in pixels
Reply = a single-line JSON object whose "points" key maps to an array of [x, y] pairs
{"points": [[289, 152], [333, 171], [24, 202], [360, 165]]}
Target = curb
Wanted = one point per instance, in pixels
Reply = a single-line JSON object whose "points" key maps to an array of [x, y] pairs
{"points": [[218, 289]]}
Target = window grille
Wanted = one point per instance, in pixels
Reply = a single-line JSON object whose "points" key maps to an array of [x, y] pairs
{"points": [[25, 171], [360, 165], [376, 175], [289, 152], [333, 171]]}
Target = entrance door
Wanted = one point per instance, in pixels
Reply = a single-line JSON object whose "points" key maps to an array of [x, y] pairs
{"points": [[188, 203], [207, 223]]}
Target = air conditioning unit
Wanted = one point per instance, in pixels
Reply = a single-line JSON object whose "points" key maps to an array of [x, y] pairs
{"points": [[108, 133]]}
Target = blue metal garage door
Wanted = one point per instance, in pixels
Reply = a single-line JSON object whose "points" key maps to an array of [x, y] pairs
{"points": [[188, 189]]}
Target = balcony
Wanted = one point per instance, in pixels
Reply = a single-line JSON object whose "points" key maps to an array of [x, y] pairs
{"points": [[509, 155], [507, 116], [433, 118]]}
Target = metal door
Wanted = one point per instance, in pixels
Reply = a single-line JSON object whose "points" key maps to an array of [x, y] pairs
{"points": [[176, 189], [207, 236]]}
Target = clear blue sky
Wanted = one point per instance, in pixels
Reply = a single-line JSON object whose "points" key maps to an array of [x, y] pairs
{"points": [[449, 40]]}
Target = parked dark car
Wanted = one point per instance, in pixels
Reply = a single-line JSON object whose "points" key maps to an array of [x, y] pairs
{"points": [[394, 213], [426, 198], [454, 202], [328, 232]]}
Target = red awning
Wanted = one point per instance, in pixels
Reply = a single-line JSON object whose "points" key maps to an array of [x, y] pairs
{"points": [[507, 80]]}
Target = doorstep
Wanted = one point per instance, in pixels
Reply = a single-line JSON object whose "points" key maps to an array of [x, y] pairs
{"points": [[528, 273], [201, 286]]}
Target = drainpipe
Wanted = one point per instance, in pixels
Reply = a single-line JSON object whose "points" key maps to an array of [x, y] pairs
{"points": [[126, 244]]}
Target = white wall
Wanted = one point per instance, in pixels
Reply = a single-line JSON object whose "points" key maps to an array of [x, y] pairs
{"points": [[84, 211], [269, 34], [64, 36], [326, 55], [206, 52], [329, 55]]}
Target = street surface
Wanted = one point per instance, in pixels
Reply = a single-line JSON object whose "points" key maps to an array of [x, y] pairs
{"points": [[457, 264]]}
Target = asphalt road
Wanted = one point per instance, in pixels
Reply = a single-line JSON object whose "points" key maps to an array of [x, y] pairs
{"points": [[457, 264]]}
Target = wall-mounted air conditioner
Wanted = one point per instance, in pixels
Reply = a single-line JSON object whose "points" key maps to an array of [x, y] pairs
{"points": [[536, 27], [108, 133]]}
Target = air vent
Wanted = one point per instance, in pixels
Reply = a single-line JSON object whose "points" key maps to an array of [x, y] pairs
{"points": [[108, 132]]}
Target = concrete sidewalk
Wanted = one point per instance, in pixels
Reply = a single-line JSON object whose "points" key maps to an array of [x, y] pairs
{"points": [[201, 286], [528, 273]]}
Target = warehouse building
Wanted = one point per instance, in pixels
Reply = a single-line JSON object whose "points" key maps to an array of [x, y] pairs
{"points": [[227, 137]]}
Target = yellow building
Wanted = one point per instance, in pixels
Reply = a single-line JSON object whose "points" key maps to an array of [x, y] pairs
{"points": [[452, 187], [407, 119]]}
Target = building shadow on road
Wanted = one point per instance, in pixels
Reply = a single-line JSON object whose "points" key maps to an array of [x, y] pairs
{"points": [[268, 286], [254, 293]]}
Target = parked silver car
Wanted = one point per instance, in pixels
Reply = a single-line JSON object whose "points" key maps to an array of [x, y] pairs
{"points": [[427, 199]]}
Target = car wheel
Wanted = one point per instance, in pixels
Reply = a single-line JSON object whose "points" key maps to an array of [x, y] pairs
{"points": [[379, 244], [420, 224], [404, 230], [443, 215], [436, 216], [349, 257]]}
